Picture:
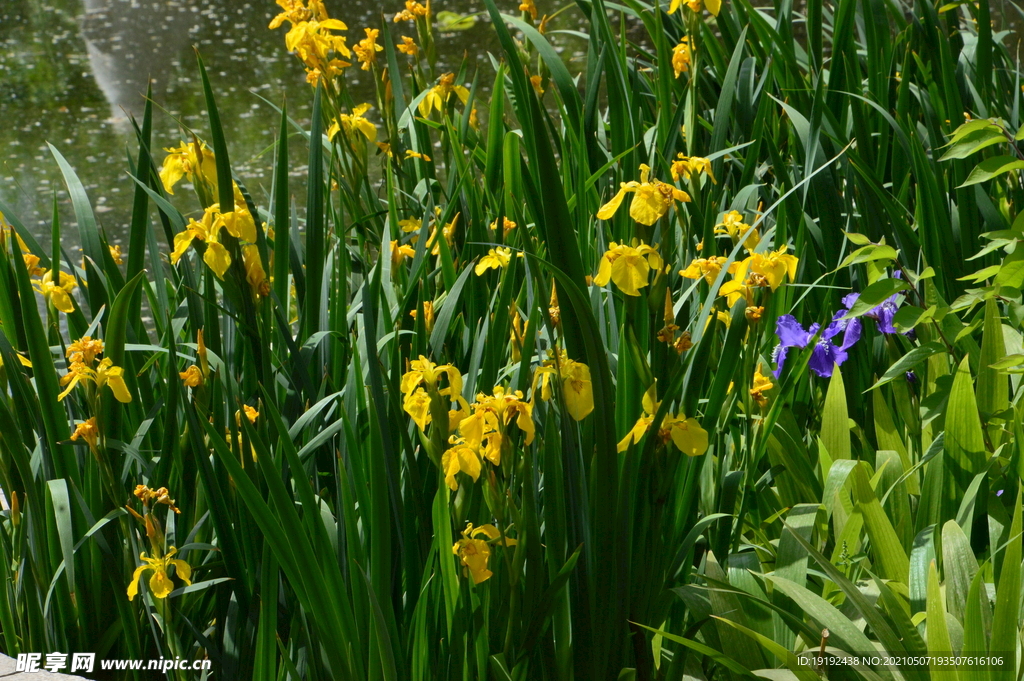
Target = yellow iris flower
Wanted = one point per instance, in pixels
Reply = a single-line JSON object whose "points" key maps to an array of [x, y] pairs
{"points": [[474, 553], [366, 49], [399, 253], [449, 235], [529, 7], [32, 265], [424, 372], [577, 389], [58, 294], [714, 6], [651, 199], [412, 10], [159, 584], [706, 267], [192, 377], [87, 431], [318, 49], [428, 315], [681, 56], [628, 266], [205, 230], [193, 160], [437, 96], [409, 46], [254, 272], [775, 266], [761, 385], [105, 373], [295, 11], [85, 350], [732, 225], [496, 258], [417, 405], [738, 288], [461, 458], [685, 433], [684, 166]]}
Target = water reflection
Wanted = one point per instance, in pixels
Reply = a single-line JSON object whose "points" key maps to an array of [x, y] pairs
{"points": [[122, 57], [71, 69]]}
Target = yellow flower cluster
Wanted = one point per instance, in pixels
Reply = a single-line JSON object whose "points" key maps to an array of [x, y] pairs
{"points": [[685, 433], [480, 430], [482, 434], [757, 270], [437, 97], [412, 11], [577, 390], [192, 160], [160, 584], [161, 496], [681, 56], [352, 122], [422, 372], [366, 49], [628, 266], [714, 6], [240, 224], [311, 39], [651, 198], [82, 355], [475, 553], [58, 293], [685, 166], [414, 225]]}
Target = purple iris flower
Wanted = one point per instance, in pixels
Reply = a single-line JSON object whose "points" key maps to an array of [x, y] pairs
{"points": [[883, 313], [826, 352]]}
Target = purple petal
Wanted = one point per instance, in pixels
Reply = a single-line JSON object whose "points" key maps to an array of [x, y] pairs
{"points": [[852, 335], [884, 314], [823, 356], [836, 326], [849, 299], [779, 357], [791, 333]]}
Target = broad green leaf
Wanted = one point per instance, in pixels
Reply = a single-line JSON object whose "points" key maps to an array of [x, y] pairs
{"points": [[965, 442], [835, 420], [886, 549], [991, 168]]}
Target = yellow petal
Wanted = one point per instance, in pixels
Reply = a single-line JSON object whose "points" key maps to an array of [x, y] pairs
{"points": [[61, 300], [120, 388], [647, 207], [218, 258], [160, 584], [367, 128], [604, 272], [630, 274], [579, 397], [608, 210], [689, 437], [183, 569], [171, 172], [714, 6], [133, 586]]}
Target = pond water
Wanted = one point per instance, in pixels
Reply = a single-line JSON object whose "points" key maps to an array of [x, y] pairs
{"points": [[70, 70]]}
